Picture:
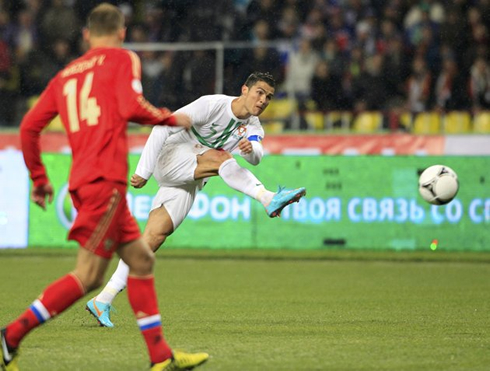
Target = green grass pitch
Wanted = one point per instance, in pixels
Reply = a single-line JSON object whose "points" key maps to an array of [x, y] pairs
{"points": [[274, 311]]}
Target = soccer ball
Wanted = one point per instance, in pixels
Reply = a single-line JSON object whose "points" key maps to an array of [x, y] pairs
{"points": [[438, 184]]}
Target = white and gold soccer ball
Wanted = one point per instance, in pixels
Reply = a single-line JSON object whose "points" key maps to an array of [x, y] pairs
{"points": [[438, 184]]}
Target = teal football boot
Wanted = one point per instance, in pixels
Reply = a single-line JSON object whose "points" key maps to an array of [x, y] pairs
{"points": [[101, 312], [283, 198]]}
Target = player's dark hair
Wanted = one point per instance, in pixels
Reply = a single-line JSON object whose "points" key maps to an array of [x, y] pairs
{"points": [[255, 77], [105, 19]]}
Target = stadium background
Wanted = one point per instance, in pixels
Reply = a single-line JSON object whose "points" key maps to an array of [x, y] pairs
{"points": [[368, 92], [346, 280]]}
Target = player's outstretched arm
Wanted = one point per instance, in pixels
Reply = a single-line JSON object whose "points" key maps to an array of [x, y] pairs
{"points": [[153, 145]]}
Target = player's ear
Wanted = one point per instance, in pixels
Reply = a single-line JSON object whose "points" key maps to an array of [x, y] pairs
{"points": [[122, 34], [86, 34], [244, 89]]}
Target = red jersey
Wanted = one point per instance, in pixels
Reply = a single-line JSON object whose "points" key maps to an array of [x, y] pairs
{"points": [[95, 95]]}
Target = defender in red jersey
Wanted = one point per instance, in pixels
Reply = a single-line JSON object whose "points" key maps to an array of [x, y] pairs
{"points": [[95, 96]]}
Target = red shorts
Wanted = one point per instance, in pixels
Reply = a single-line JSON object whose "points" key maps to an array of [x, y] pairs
{"points": [[103, 221]]}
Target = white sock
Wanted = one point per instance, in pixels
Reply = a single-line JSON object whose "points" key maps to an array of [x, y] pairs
{"points": [[244, 181], [116, 284]]}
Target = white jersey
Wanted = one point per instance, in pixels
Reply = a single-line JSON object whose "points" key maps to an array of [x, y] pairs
{"points": [[214, 126]]}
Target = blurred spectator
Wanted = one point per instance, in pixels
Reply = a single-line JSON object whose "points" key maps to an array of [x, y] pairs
{"points": [[424, 12], [60, 20], [58, 57], [428, 46], [387, 32], [261, 31], [419, 86], [355, 67], [168, 82], [396, 68], [262, 59], [9, 85], [299, 73], [211, 20], [331, 54], [370, 87], [480, 85], [32, 73], [423, 23], [339, 31], [23, 35], [366, 38], [159, 27], [267, 10], [288, 25], [326, 89], [138, 33], [300, 70], [478, 44], [451, 89], [454, 31], [151, 70], [199, 75]]}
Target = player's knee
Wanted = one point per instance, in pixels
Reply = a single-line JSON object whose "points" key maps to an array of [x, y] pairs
{"points": [[222, 156], [218, 158], [142, 263]]}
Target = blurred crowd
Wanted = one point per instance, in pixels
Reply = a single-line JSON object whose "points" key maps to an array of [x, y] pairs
{"points": [[330, 54]]}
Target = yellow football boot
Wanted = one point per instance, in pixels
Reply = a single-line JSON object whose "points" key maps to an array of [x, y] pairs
{"points": [[9, 358], [181, 361]]}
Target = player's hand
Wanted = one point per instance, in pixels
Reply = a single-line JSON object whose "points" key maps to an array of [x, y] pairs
{"points": [[39, 193], [183, 120], [245, 146], [137, 181]]}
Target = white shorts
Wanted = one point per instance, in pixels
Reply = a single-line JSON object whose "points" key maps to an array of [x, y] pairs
{"points": [[177, 163], [174, 173], [177, 200]]}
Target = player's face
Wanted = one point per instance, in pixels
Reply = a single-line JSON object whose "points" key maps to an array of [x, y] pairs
{"points": [[258, 97]]}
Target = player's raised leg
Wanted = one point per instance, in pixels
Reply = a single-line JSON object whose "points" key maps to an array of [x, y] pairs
{"points": [[245, 181]]}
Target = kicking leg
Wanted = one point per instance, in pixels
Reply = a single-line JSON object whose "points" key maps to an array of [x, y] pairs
{"points": [[244, 181], [221, 163]]}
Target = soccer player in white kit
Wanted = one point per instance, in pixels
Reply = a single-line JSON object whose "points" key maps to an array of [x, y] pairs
{"points": [[182, 160]]}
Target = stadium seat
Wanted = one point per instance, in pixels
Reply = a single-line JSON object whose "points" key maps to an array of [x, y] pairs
{"points": [[457, 122], [481, 123], [315, 120], [427, 123], [273, 127], [277, 114], [368, 122], [406, 121], [279, 109], [337, 120], [55, 124]]}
